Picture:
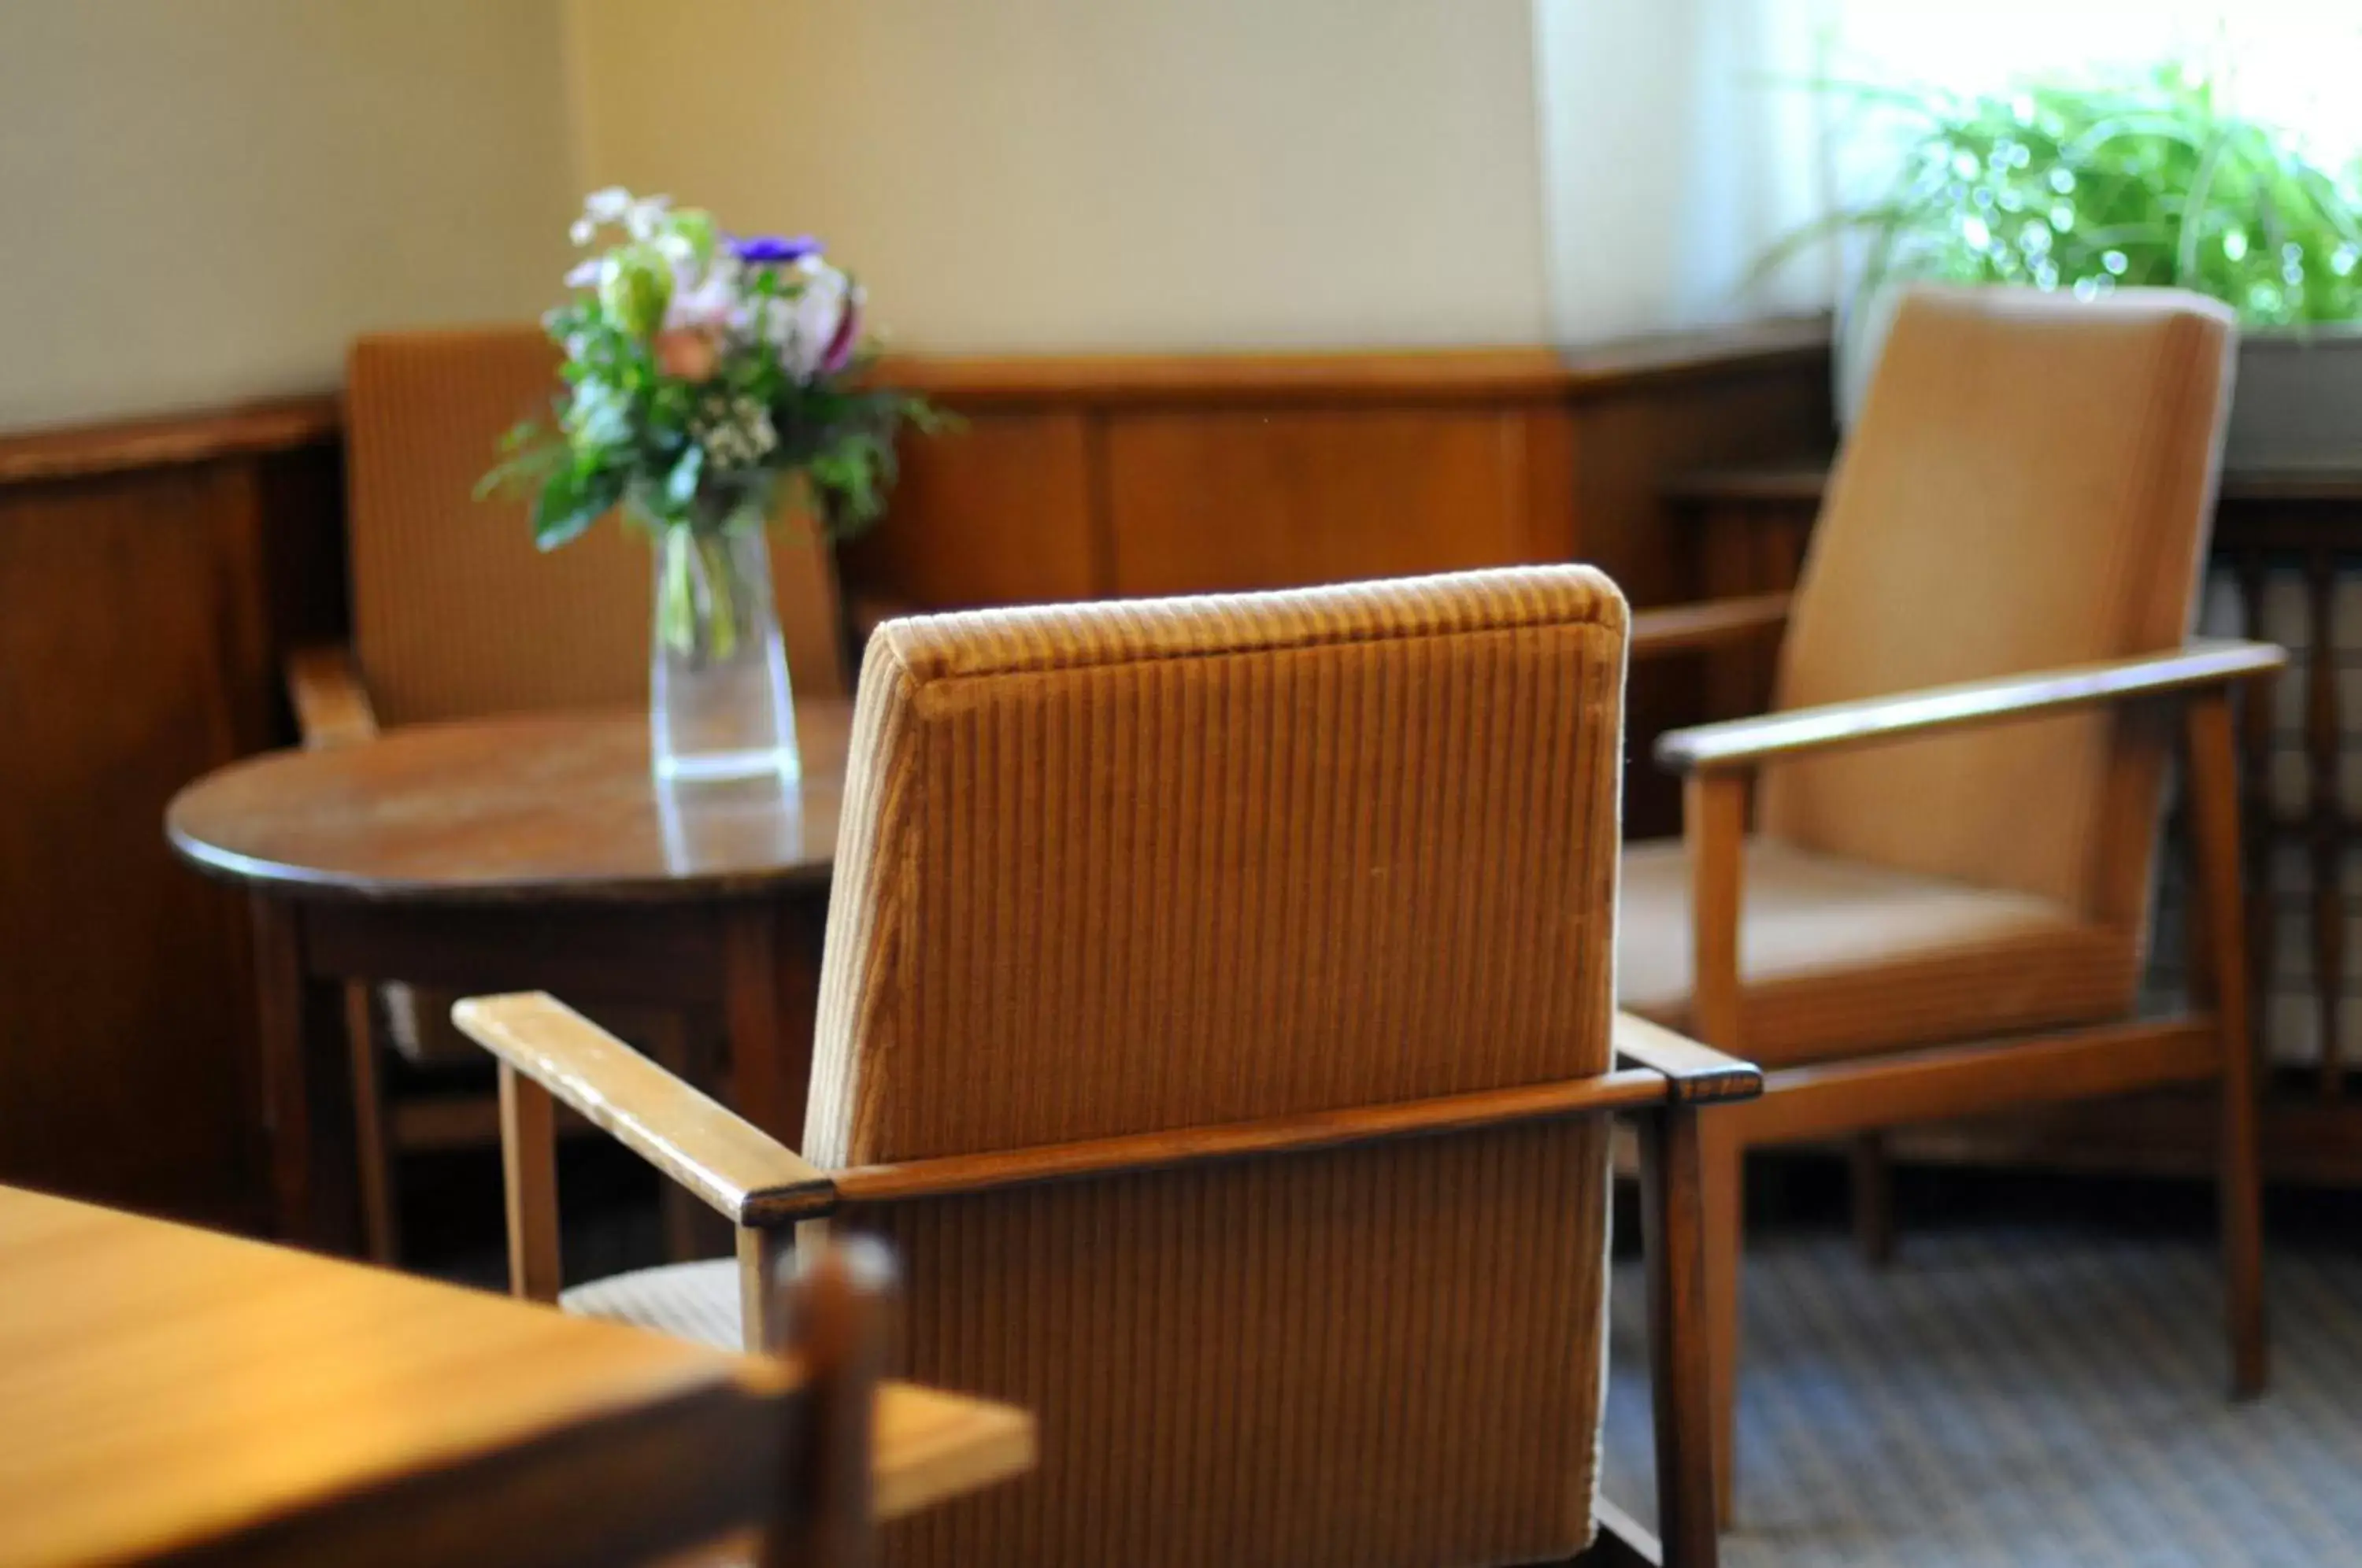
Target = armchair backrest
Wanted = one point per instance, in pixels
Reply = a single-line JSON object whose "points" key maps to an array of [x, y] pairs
{"points": [[1144, 866], [456, 613], [2030, 484]]}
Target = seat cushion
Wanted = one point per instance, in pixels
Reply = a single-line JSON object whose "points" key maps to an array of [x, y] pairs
{"points": [[1837, 958], [694, 1301]]}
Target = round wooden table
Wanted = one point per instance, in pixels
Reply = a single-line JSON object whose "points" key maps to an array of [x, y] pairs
{"points": [[518, 853]]}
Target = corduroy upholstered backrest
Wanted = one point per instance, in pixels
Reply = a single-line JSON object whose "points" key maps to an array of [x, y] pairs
{"points": [[2030, 485], [1113, 868], [1126, 868], [455, 613]]}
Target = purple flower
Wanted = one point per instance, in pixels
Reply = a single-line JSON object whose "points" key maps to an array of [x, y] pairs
{"points": [[764, 250]]}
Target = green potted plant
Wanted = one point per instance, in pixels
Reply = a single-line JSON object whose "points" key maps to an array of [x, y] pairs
{"points": [[2096, 188]]}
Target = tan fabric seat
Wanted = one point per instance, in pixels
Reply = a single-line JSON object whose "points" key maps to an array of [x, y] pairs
{"points": [[695, 1301], [1141, 867], [1841, 955]]}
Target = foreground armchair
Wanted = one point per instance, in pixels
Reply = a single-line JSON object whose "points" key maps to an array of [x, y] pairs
{"points": [[1941, 907], [1217, 1019]]}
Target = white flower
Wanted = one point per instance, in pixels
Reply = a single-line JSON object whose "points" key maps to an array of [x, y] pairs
{"points": [[642, 218], [585, 274], [802, 328], [640, 215], [707, 300], [736, 432], [608, 205]]}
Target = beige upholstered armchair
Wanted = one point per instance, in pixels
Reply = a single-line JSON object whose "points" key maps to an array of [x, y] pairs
{"points": [[1941, 905], [1217, 1019], [457, 615]]}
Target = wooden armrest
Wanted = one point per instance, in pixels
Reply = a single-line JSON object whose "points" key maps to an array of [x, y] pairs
{"points": [[332, 707], [1743, 743], [1717, 623], [1695, 1074], [735, 1165], [1620, 1091]]}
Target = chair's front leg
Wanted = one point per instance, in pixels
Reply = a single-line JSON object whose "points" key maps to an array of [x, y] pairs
{"points": [[529, 1179], [372, 1149], [1673, 1223], [1871, 1191], [838, 1308], [764, 1252], [2223, 977], [1722, 1165], [1714, 830]]}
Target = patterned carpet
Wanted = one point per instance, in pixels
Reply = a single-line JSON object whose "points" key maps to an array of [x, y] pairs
{"points": [[2024, 1398]]}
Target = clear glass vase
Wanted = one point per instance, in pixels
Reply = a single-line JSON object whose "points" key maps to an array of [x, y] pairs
{"points": [[719, 705]]}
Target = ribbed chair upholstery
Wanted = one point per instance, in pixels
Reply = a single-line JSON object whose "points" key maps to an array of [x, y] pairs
{"points": [[1932, 918], [1141, 867], [456, 613]]}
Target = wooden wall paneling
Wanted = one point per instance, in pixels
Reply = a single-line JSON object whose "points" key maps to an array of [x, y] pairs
{"points": [[1628, 444], [1551, 524], [139, 630], [300, 492], [1346, 377], [1204, 501], [1164, 473], [1628, 449], [997, 511], [120, 1043]]}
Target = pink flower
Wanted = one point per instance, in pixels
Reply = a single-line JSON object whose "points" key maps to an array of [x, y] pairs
{"points": [[687, 354], [847, 339]]}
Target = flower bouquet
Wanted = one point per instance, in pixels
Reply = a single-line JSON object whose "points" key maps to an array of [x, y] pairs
{"points": [[709, 381]]}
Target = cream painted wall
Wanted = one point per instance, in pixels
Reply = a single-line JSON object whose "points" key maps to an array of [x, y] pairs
{"points": [[1673, 154], [1078, 174], [203, 201]]}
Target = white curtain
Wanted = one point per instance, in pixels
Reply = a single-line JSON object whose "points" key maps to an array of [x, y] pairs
{"points": [[1679, 140]]}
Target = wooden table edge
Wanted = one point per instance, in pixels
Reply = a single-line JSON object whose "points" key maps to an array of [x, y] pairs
{"points": [[280, 879], [971, 1444]]}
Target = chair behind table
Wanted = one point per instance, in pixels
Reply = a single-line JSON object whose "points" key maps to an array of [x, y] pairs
{"points": [[456, 612]]}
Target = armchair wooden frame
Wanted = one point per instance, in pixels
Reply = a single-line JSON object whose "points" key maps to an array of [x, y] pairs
{"points": [[550, 1054], [1863, 1095]]}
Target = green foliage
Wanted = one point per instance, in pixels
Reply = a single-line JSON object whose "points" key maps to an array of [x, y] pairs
{"points": [[636, 287], [2096, 188]]}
